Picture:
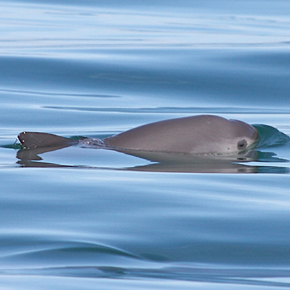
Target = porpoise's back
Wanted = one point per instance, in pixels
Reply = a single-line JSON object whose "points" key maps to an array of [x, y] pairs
{"points": [[197, 134]]}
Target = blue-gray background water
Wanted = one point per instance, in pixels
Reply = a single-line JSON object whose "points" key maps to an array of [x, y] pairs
{"points": [[81, 218]]}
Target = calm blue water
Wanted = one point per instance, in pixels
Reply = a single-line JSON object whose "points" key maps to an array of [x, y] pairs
{"points": [[80, 218]]}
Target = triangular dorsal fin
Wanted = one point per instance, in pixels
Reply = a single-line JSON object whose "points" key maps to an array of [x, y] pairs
{"points": [[32, 140]]}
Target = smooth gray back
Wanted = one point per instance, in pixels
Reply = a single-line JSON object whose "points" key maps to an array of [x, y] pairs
{"points": [[197, 134]]}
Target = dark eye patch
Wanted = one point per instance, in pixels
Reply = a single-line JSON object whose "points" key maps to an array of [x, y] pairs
{"points": [[242, 144]]}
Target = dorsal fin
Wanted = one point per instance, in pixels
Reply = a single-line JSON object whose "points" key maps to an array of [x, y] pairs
{"points": [[32, 140]]}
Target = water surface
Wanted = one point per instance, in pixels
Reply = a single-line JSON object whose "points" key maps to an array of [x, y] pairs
{"points": [[80, 218]]}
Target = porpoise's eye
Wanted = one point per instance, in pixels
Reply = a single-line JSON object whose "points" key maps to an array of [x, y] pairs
{"points": [[242, 144]]}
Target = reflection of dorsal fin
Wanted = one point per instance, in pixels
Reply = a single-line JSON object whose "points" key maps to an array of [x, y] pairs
{"points": [[31, 140]]}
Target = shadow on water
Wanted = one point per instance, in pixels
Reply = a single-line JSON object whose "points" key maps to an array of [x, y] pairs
{"points": [[186, 163]]}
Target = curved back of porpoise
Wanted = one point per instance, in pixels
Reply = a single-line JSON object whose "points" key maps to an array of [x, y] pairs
{"points": [[197, 134]]}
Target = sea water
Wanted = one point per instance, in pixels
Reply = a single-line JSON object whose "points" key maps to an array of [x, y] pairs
{"points": [[85, 218]]}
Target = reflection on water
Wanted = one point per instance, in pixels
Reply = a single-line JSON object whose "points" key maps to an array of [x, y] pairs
{"points": [[185, 163]]}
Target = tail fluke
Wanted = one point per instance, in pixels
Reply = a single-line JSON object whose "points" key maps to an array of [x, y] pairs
{"points": [[32, 140]]}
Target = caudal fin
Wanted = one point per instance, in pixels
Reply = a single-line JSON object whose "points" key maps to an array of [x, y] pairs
{"points": [[32, 140]]}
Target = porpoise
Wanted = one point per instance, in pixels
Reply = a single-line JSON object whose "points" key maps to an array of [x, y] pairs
{"points": [[202, 134]]}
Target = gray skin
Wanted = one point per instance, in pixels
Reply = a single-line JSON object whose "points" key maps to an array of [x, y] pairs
{"points": [[203, 134]]}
